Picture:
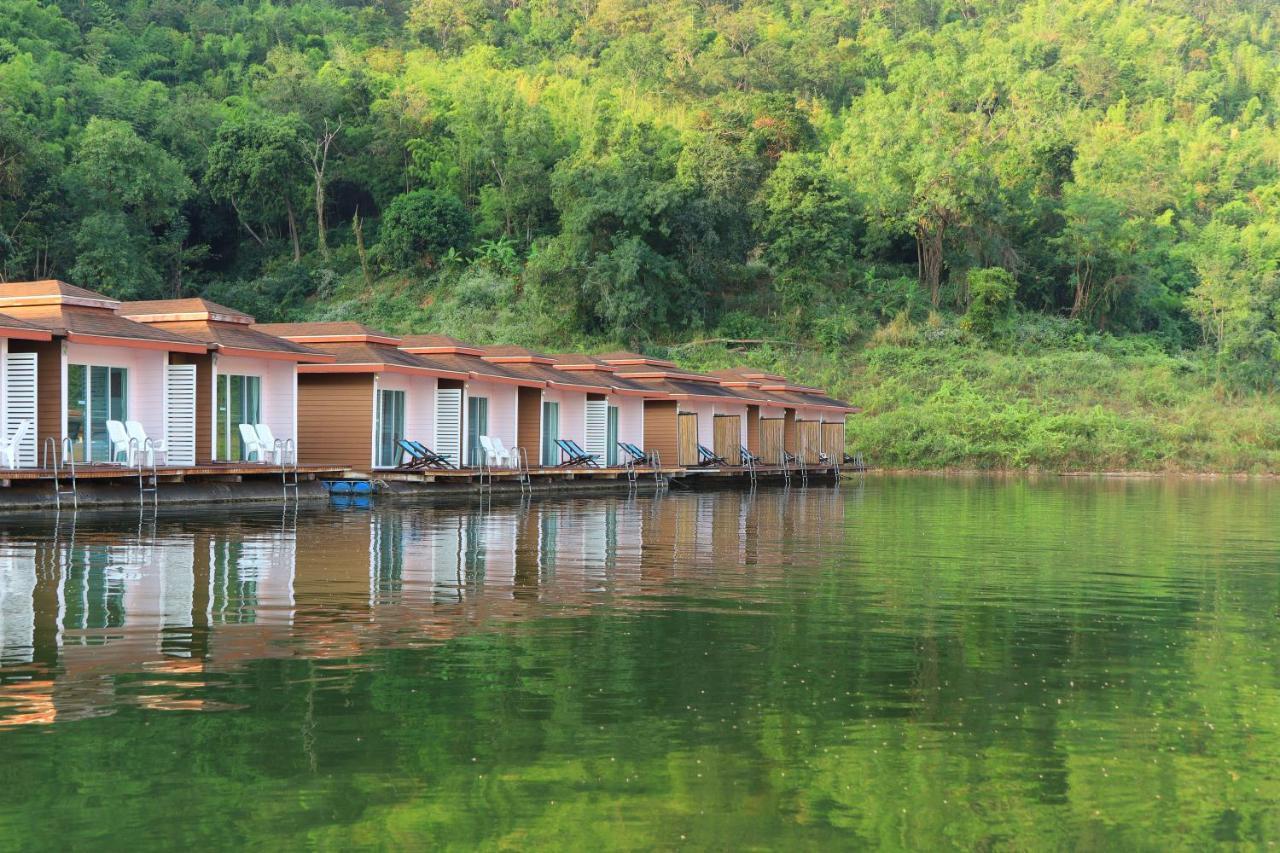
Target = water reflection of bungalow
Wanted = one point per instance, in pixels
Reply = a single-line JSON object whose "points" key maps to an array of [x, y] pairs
{"points": [[98, 366], [246, 377]]}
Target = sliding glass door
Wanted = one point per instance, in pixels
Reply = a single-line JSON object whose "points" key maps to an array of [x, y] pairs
{"points": [[611, 438], [389, 428], [239, 402], [95, 395], [550, 432], [477, 425]]}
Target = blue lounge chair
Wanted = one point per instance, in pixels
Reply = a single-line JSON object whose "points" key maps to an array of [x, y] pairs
{"points": [[422, 456], [748, 458], [575, 455], [706, 457], [638, 456]]}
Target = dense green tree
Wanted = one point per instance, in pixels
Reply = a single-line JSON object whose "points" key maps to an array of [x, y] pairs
{"points": [[639, 169], [807, 222], [421, 226], [256, 164]]}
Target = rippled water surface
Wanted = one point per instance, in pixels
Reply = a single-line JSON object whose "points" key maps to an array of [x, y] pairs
{"points": [[909, 663]]}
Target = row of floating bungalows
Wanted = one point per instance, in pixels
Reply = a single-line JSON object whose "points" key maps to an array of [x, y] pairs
{"points": [[191, 372]]}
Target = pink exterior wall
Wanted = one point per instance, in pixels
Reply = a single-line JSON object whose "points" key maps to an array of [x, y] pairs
{"points": [[503, 404], [707, 411], [278, 392], [573, 412], [146, 394], [419, 405], [630, 420]]}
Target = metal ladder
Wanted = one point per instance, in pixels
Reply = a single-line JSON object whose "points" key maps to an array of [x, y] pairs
{"points": [[522, 469], [288, 466], [485, 480], [51, 454], [144, 457], [659, 479]]}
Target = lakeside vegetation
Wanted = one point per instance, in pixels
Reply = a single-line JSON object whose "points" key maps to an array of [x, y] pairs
{"points": [[1019, 233]]}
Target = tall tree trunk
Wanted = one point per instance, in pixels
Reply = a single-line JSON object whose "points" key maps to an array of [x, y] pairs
{"points": [[929, 235], [1084, 284], [293, 232], [319, 162], [245, 224], [357, 226]]}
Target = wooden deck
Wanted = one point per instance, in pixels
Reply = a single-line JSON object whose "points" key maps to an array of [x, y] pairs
{"points": [[169, 473], [563, 472], [585, 473]]}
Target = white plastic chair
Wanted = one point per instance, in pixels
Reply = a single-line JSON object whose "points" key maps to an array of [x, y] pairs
{"points": [[267, 442], [9, 446], [486, 447], [505, 456], [252, 444], [118, 436], [150, 447]]}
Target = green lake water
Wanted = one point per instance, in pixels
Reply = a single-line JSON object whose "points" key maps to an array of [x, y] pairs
{"points": [[916, 664]]}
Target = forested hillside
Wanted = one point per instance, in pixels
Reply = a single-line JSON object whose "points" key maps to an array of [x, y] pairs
{"points": [[985, 177]]}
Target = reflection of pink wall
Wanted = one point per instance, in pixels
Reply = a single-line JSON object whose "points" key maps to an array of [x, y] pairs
{"points": [[277, 391], [419, 404], [502, 399], [146, 379]]}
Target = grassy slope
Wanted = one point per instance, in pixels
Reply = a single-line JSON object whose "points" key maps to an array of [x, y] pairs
{"points": [[1054, 397], [953, 405]]}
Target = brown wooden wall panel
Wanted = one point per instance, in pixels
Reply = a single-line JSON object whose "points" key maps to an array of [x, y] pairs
{"points": [[833, 442], [529, 422], [790, 440], [753, 429], [771, 440], [49, 394], [727, 436], [687, 438], [206, 393], [660, 429], [809, 436], [335, 419]]}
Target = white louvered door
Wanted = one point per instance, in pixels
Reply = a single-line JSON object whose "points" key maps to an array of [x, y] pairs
{"points": [[20, 388], [596, 439], [449, 424], [180, 415]]}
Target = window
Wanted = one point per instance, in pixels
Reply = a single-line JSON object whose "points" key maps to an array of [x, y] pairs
{"points": [[550, 432], [477, 425], [239, 402], [95, 395], [390, 427]]}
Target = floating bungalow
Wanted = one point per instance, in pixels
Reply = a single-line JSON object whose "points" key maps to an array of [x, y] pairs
{"points": [[485, 403], [245, 377], [354, 408], [95, 366], [688, 412], [221, 397], [798, 419]]}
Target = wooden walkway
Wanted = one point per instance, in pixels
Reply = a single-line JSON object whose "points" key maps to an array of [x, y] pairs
{"points": [[170, 473]]}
